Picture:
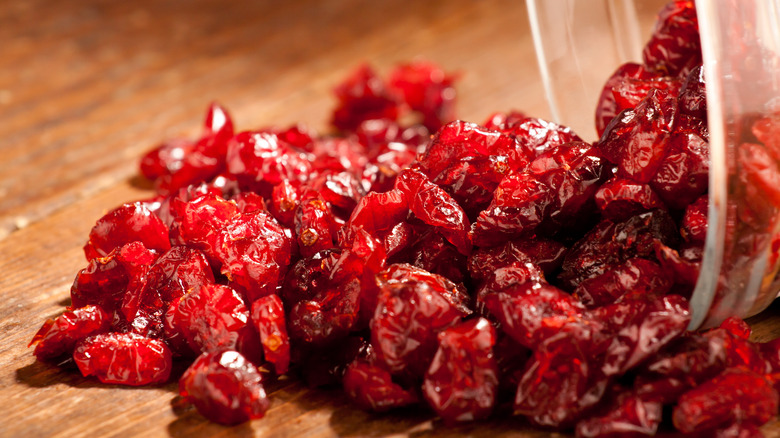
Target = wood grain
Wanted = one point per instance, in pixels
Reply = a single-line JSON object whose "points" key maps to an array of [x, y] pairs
{"points": [[86, 86]]}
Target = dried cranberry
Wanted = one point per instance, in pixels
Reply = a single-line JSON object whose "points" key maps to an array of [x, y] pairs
{"points": [[413, 307], [693, 226], [125, 224], [640, 82], [634, 275], [254, 252], [198, 223], [124, 359], [468, 161], [683, 174], [462, 381], [620, 198], [545, 253], [224, 387], [363, 96], [315, 225], [269, 320], [426, 88], [630, 415], [372, 388], [212, 318], [173, 274], [59, 336], [736, 395], [674, 48], [532, 312], [260, 160], [106, 280], [614, 242]]}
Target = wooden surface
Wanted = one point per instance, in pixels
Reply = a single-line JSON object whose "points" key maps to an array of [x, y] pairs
{"points": [[87, 86]]}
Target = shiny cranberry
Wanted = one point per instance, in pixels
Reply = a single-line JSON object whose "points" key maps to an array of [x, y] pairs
{"points": [[125, 224], [736, 395], [621, 198], [363, 96], [124, 359], [674, 48], [426, 88], [372, 388], [254, 252], [693, 226], [629, 415], [413, 307], [469, 161], [462, 381], [635, 275], [315, 225], [59, 336], [269, 320], [225, 388]]}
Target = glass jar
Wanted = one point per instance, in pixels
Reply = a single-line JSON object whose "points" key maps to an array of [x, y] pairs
{"points": [[579, 43]]}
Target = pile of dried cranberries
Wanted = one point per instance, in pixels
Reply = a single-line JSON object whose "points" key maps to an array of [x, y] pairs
{"points": [[483, 265]]}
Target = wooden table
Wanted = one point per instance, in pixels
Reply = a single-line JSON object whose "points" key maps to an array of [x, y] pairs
{"points": [[86, 86]]}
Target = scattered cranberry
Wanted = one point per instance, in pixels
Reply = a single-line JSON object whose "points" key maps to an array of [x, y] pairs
{"points": [[224, 387], [124, 359], [446, 263]]}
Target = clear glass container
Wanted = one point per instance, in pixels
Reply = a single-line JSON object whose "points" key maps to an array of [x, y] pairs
{"points": [[579, 44]]}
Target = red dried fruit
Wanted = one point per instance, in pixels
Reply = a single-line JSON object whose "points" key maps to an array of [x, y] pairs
{"points": [[260, 160], [506, 278], [545, 253], [124, 359], [609, 243], [532, 312], [315, 225], [633, 276], [225, 388], [468, 161], [462, 381], [607, 107], [125, 224], [212, 318], [372, 388], [173, 274], [106, 280], [693, 226], [269, 320], [560, 383], [59, 336], [683, 174], [178, 163], [363, 96], [674, 48], [520, 204], [433, 206], [413, 307], [620, 198], [629, 416], [254, 252], [426, 88], [199, 222], [734, 396]]}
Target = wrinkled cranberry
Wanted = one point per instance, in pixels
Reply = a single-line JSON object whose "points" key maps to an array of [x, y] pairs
{"points": [[254, 252], [614, 242], [469, 161], [59, 336], [125, 224], [634, 275], [224, 387], [372, 388], [106, 280], [693, 226], [629, 416], [363, 96], [674, 48], [260, 160], [413, 307], [314, 225], [124, 359], [269, 320], [620, 198], [426, 88], [736, 395], [462, 381]]}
